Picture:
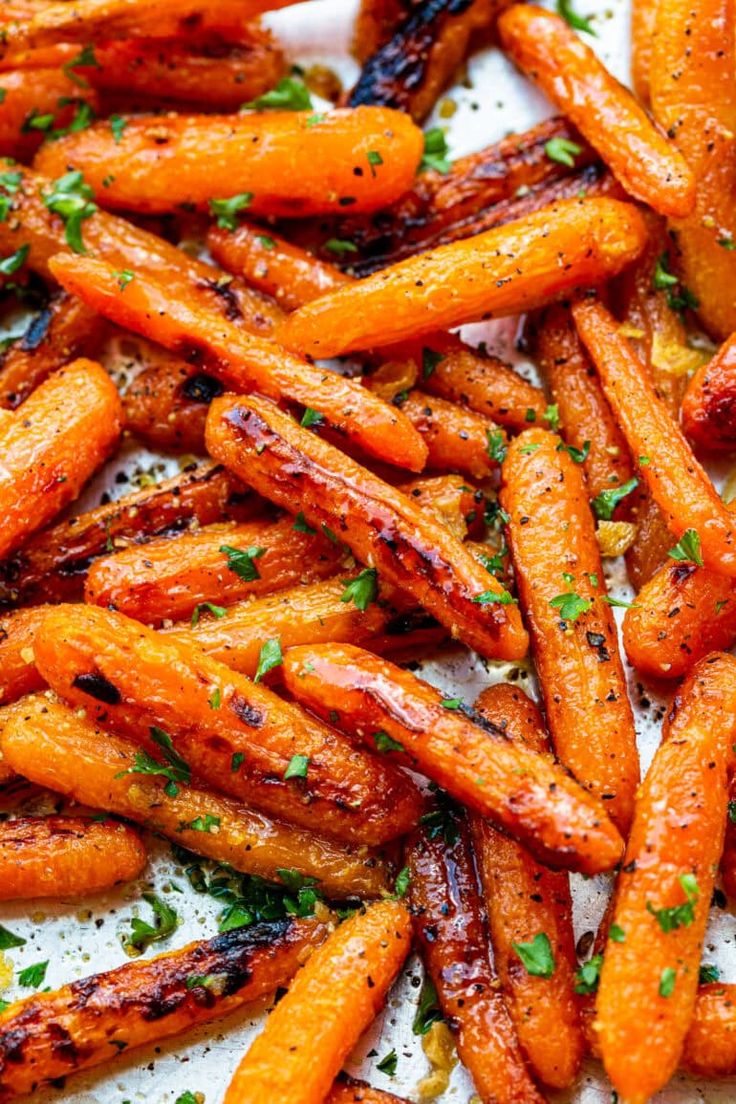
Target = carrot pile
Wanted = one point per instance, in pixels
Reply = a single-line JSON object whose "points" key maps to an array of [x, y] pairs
{"points": [[230, 660]]}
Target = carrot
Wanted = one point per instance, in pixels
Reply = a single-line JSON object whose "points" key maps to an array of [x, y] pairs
{"points": [[525, 900], [504, 271], [137, 679], [675, 479], [67, 427], [652, 542], [680, 615], [450, 930], [581, 405], [63, 329], [411, 69], [561, 588], [53, 746], [18, 674], [53, 565], [382, 526], [58, 856], [709, 402], [37, 102], [375, 23], [527, 795], [143, 1002], [643, 18], [273, 163], [241, 360], [328, 1006], [166, 404], [456, 439], [346, 1090], [710, 1044], [728, 859], [221, 564], [545, 47], [694, 98], [449, 499], [649, 977]]}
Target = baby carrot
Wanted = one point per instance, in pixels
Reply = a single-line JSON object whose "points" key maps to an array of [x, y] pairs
{"points": [[528, 795], [709, 402], [456, 439], [728, 859], [329, 1004], [676, 480], [710, 1044], [346, 1090], [47, 96], [18, 674], [562, 591]]}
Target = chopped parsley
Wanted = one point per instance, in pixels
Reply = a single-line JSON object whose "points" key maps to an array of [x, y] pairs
{"points": [[606, 502], [297, 768], [578, 22], [588, 976], [9, 939], [289, 94], [227, 210], [384, 742], [363, 589], [340, 246], [85, 59], [388, 1064], [563, 151], [175, 769], [72, 200], [143, 934], [312, 419], [33, 976], [435, 152], [241, 561], [537, 956], [678, 916], [428, 1009], [216, 611], [11, 264], [502, 597], [496, 447], [570, 605], [270, 656], [667, 981], [687, 548]]}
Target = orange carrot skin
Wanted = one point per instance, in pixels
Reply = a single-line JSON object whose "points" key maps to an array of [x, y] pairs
{"points": [[346, 1090], [710, 1044], [243, 361], [166, 404], [548, 50], [728, 860], [18, 674], [503, 271], [449, 927], [142, 1002], [30, 94], [676, 480], [67, 428], [682, 613], [584, 413], [383, 527], [375, 22], [116, 668], [710, 400], [329, 1004], [52, 745], [72, 329], [522, 899], [170, 578], [677, 831], [652, 542], [694, 98], [527, 795], [456, 439], [448, 498], [60, 856], [289, 165], [643, 19], [551, 533], [53, 564]]}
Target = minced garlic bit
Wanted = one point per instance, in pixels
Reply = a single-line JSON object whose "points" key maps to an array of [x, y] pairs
{"points": [[674, 358], [6, 972], [439, 1046], [615, 537], [627, 330]]}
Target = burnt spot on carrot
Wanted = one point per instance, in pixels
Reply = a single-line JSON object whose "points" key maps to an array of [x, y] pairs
{"points": [[98, 687]]}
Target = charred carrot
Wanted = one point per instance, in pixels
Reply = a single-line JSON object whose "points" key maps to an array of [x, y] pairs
{"points": [[383, 527], [652, 542], [52, 745], [710, 1044], [529, 796], [375, 23], [677, 482], [649, 978], [513, 268], [66, 429], [347, 1090], [285, 762], [217, 564], [728, 859], [529, 905], [126, 1006], [709, 402], [60, 856], [547, 50], [37, 102], [449, 927], [243, 361], [562, 591], [272, 163], [166, 404], [329, 1004], [18, 674], [53, 565]]}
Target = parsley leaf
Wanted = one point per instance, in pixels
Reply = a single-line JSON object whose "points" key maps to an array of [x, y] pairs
{"points": [[687, 548], [117, 126], [502, 597], [435, 152], [227, 210], [8, 939], [71, 199], [288, 95], [570, 605], [269, 657], [340, 246], [430, 360], [552, 417], [617, 934], [297, 768], [216, 611], [302, 525], [563, 151], [588, 976], [496, 447], [240, 561], [578, 22], [428, 1009], [124, 277], [205, 823], [678, 916], [84, 59], [606, 502], [312, 418], [388, 1064], [667, 981], [363, 589], [143, 934], [177, 770], [401, 885], [576, 454], [537, 956], [11, 264], [33, 976], [708, 974], [384, 742]]}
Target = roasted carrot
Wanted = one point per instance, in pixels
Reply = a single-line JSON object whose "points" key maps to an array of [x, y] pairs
{"points": [[448, 498], [649, 978], [562, 591], [329, 1004], [273, 163], [347, 1090], [524, 901], [643, 19], [526, 794], [456, 439], [375, 23], [504, 271], [18, 674], [243, 361], [53, 565], [166, 404], [60, 856], [411, 69], [710, 1044], [66, 429], [382, 526], [694, 98], [710, 401], [37, 102], [221, 564], [137, 679], [652, 542], [676, 480], [680, 615], [65, 328], [581, 405], [449, 926], [728, 860], [547, 50], [142, 1002], [52, 745]]}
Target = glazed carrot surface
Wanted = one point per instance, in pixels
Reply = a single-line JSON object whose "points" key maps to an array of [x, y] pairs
{"points": [[31, 94], [18, 674], [709, 402], [327, 1007]]}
